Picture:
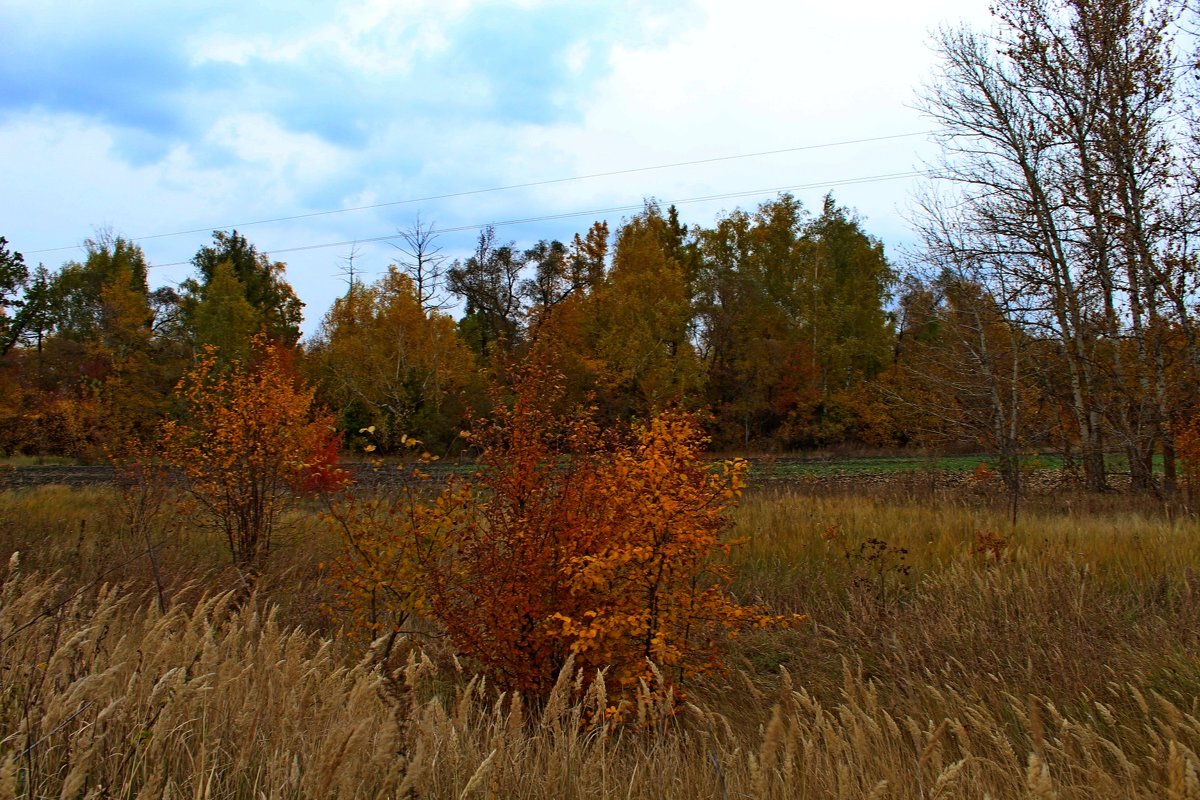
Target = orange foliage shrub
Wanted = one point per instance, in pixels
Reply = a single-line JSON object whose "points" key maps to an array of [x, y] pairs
{"points": [[250, 442], [571, 542]]}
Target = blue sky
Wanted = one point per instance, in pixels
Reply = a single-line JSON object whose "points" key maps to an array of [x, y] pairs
{"points": [[152, 118]]}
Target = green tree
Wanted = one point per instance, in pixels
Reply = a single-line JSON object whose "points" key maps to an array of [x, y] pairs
{"points": [[76, 292], [757, 369], [222, 316], [791, 322], [845, 286], [36, 316], [14, 276], [273, 300]]}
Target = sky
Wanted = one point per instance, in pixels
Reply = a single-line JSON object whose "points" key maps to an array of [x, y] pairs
{"points": [[311, 125]]}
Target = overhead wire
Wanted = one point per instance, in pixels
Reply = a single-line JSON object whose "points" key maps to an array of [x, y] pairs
{"points": [[508, 187], [591, 212]]}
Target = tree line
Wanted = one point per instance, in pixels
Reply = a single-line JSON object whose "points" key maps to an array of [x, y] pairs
{"points": [[770, 323], [90, 355]]}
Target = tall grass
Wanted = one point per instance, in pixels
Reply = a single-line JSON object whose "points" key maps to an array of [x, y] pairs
{"points": [[1065, 663]]}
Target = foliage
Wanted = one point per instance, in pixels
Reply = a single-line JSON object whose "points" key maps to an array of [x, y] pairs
{"points": [[64, 425], [642, 320], [14, 275], [222, 317], [387, 535], [489, 283], [386, 362], [251, 440], [964, 372], [89, 352], [77, 292], [665, 317], [272, 299], [791, 322], [1186, 429], [583, 545]]}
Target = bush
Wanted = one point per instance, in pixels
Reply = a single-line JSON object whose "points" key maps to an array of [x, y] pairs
{"points": [[573, 543], [250, 442]]}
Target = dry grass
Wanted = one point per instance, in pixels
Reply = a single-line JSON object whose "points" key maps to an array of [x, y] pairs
{"points": [[81, 536], [1068, 667]]}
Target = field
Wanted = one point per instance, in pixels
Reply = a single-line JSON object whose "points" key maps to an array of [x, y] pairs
{"points": [[946, 654]]}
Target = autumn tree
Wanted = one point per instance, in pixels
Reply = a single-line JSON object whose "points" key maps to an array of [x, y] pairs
{"points": [[93, 371], [250, 443], [562, 272], [792, 321], [757, 368], [643, 322], [14, 276], [382, 359], [967, 375], [77, 290], [544, 298], [389, 534]]}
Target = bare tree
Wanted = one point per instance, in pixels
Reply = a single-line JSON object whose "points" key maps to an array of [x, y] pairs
{"points": [[422, 260], [349, 270], [1056, 134], [974, 371]]}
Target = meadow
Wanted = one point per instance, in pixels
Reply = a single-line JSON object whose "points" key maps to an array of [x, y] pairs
{"points": [[946, 653]]}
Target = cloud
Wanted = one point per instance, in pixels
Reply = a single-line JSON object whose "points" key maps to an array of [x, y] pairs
{"points": [[165, 70]]}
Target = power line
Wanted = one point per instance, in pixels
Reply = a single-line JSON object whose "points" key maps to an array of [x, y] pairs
{"points": [[592, 212], [548, 182]]}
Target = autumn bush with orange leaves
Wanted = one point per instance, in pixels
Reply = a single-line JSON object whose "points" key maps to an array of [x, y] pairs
{"points": [[250, 443], [571, 543]]}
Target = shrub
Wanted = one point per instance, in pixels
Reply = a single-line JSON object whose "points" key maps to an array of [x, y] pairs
{"points": [[387, 534], [250, 442], [574, 543]]}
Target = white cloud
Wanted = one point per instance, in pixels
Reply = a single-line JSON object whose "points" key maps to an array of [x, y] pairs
{"points": [[759, 75], [261, 142]]}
